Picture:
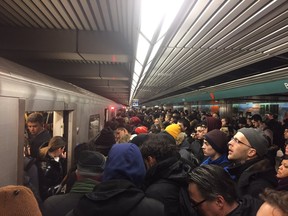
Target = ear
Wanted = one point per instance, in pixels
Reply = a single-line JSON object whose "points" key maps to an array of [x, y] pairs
{"points": [[251, 153], [220, 201], [150, 161]]}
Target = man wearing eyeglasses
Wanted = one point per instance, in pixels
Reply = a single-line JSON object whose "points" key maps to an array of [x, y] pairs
{"points": [[253, 170], [212, 192], [196, 146]]}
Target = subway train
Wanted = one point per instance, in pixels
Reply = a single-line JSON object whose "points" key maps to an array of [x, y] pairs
{"points": [[72, 112]]}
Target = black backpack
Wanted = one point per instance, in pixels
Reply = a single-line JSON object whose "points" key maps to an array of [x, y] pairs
{"points": [[185, 207]]}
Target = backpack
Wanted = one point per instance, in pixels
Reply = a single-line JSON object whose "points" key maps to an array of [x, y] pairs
{"points": [[185, 207]]}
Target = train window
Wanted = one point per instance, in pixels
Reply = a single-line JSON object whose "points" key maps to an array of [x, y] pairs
{"points": [[94, 126]]}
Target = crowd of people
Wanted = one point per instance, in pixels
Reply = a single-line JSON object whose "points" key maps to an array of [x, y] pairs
{"points": [[157, 162]]}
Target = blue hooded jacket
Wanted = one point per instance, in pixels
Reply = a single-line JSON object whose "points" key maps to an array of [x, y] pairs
{"points": [[125, 162]]}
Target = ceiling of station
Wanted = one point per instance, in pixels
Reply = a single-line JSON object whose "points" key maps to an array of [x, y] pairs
{"points": [[92, 44]]}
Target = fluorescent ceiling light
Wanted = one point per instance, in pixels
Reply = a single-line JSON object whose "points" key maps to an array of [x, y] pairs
{"points": [[156, 18], [142, 49]]}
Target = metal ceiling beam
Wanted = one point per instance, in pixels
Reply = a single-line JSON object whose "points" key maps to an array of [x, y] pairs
{"points": [[64, 44]]}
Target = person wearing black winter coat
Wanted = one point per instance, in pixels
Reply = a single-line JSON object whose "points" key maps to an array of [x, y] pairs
{"points": [[166, 171], [253, 172], [119, 194], [50, 168]]}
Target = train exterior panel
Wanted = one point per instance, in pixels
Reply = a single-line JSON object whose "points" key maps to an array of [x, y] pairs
{"points": [[78, 113]]}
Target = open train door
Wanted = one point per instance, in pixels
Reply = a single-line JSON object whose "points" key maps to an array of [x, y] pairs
{"points": [[63, 123]]}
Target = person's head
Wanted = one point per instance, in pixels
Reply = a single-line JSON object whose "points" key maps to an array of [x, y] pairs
{"points": [[139, 139], [286, 132], [228, 130], [200, 130], [125, 162], [174, 130], [135, 121], [18, 200], [35, 123], [212, 123], [156, 148], [247, 144], [184, 124], [275, 203], [141, 130], [167, 117], [282, 171], [256, 120], [215, 144], [77, 151], [120, 132], [104, 141], [90, 165], [225, 121], [55, 147], [211, 190]]}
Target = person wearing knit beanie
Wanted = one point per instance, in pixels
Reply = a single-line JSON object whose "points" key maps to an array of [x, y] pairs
{"points": [[218, 140], [252, 167], [256, 139], [213, 123], [105, 141], [215, 148], [174, 130], [18, 200], [141, 130]]}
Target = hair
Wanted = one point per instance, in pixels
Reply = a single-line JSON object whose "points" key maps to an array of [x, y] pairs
{"points": [[256, 117], [35, 117], [185, 122], [277, 199], [227, 119], [54, 143], [213, 180], [159, 146]]}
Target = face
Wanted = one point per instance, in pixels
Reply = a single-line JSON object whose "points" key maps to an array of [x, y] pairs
{"points": [[223, 121], [59, 151], [207, 149], [286, 149], [283, 169], [238, 148], [248, 121], [120, 133], [255, 124], [167, 118], [267, 210], [286, 134], [156, 121], [200, 132], [182, 126], [202, 206], [34, 127]]}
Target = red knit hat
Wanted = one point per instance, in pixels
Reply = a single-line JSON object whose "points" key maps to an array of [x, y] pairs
{"points": [[18, 200], [135, 120], [141, 130]]}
